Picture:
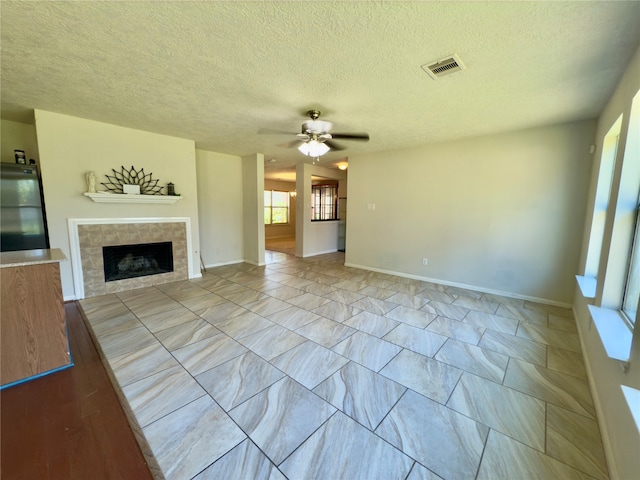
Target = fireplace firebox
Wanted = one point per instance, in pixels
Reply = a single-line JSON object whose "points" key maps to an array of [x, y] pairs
{"points": [[131, 261]]}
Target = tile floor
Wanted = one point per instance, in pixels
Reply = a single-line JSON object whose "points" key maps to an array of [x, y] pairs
{"points": [[306, 369]]}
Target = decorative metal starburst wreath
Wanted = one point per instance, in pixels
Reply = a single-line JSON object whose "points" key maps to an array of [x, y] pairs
{"points": [[131, 176]]}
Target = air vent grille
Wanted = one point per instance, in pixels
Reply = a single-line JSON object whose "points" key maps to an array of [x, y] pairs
{"points": [[443, 67]]}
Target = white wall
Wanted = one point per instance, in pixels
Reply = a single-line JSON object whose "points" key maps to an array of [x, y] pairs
{"points": [[501, 213], [18, 136], [621, 436], [220, 213], [69, 147], [253, 208]]}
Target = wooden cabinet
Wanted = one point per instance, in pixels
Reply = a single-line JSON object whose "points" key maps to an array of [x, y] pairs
{"points": [[33, 325]]}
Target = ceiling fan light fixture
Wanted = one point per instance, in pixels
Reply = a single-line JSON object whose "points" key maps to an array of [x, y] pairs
{"points": [[313, 148]]}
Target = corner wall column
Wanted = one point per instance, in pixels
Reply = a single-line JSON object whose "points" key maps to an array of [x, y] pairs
{"points": [[253, 208]]}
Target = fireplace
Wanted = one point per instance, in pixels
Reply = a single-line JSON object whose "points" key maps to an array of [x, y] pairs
{"points": [[139, 260], [89, 237]]}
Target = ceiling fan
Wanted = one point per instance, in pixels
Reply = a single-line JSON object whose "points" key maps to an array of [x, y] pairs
{"points": [[314, 140]]}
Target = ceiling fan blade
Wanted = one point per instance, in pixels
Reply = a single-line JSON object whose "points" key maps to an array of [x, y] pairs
{"points": [[333, 145], [271, 131], [292, 144], [351, 136]]}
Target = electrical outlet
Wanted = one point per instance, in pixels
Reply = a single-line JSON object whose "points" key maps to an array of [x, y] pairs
{"points": [[425, 261]]}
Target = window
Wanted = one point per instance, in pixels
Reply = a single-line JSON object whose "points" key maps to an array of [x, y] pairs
{"points": [[632, 287], [324, 202], [276, 207], [603, 196]]}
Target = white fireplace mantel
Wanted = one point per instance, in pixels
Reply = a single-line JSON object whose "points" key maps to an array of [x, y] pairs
{"points": [[105, 197]]}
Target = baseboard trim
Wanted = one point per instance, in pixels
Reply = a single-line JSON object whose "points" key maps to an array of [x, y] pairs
{"points": [[545, 301]]}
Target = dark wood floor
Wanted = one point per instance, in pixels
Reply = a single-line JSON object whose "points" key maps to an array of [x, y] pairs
{"points": [[68, 425]]}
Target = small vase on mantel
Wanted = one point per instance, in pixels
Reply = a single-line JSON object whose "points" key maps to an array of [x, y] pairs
{"points": [[171, 189]]}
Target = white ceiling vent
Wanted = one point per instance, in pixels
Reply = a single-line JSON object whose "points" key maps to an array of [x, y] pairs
{"points": [[444, 66]]}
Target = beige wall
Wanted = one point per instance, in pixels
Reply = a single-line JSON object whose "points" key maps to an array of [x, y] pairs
{"points": [[219, 183], [501, 213], [69, 147], [18, 136], [621, 436], [288, 230]]}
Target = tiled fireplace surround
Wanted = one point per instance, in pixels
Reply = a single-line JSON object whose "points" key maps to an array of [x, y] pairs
{"points": [[93, 234]]}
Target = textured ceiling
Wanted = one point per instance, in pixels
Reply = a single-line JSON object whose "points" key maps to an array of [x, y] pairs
{"points": [[218, 72]]}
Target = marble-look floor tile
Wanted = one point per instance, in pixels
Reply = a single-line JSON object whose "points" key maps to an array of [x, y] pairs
{"points": [[308, 301], [326, 332], [465, 292], [420, 341], [510, 412], [430, 433], [418, 472], [238, 379], [408, 300], [344, 296], [120, 343], [478, 304], [272, 341], [228, 288], [349, 285], [219, 313], [412, 289], [318, 289], [246, 297], [550, 309], [154, 307], [456, 329], [157, 395], [116, 324], [141, 296], [362, 394], [182, 290], [186, 334], [494, 297], [563, 390], [242, 325], [281, 417], [282, 292], [445, 310], [208, 353], [245, 461], [376, 292], [367, 350], [411, 316], [202, 301], [168, 319], [262, 285], [437, 296], [566, 361], [494, 322], [563, 324], [484, 363], [134, 366], [549, 336], [373, 305], [371, 323], [189, 439], [513, 346], [575, 440], [424, 375], [341, 448], [508, 459], [293, 317], [103, 307], [336, 311], [267, 306], [309, 363], [522, 314]]}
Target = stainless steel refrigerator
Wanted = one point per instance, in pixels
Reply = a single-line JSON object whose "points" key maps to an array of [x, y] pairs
{"points": [[22, 225]]}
